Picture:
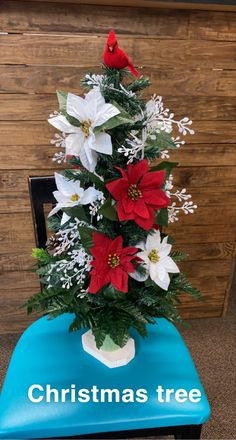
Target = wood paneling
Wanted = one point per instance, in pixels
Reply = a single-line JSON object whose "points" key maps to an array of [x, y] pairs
{"points": [[219, 5], [192, 177], [202, 233], [40, 132], [222, 155], [217, 271], [166, 24], [46, 79], [212, 197], [37, 107], [78, 51], [212, 26], [205, 176], [189, 56], [21, 260], [36, 154], [78, 19], [206, 251], [18, 201]]}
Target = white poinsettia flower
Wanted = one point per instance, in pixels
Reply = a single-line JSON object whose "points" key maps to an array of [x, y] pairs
{"points": [[91, 111], [69, 194], [156, 260]]}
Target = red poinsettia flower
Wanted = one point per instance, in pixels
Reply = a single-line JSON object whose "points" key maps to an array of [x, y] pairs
{"points": [[111, 263], [139, 194]]}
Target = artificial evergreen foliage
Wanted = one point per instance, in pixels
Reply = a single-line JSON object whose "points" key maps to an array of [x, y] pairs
{"points": [[139, 132]]}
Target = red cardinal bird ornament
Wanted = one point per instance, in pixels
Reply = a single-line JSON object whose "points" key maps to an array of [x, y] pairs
{"points": [[116, 58]]}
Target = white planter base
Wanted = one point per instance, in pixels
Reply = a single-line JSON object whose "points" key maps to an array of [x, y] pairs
{"points": [[111, 359]]}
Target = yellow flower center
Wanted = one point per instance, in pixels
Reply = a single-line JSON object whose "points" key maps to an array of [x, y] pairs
{"points": [[153, 256], [113, 260], [85, 126], [134, 193], [75, 197]]}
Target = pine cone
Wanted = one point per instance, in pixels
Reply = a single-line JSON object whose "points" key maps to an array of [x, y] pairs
{"points": [[52, 243]]}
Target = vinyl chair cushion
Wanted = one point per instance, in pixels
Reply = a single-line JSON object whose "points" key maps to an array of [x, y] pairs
{"points": [[48, 354]]}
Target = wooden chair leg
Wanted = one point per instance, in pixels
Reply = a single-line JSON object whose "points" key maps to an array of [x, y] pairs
{"points": [[191, 432]]}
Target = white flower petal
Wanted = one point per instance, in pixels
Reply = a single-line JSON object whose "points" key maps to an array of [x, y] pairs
{"points": [[141, 245], [94, 94], [76, 107], [164, 250], [153, 271], [107, 112], [60, 198], [65, 218], [61, 123], [64, 186], [170, 265], [165, 240], [77, 188], [79, 192], [144, 256], [102, 144], [157, 271], [95, 100], [74, 143], [83, 158], [71, 204], [90, 141], [89, 196], [163, 283], [54, 210], [88, 158], [90, 152], [138, 276], [153, 240], [57, 208]]}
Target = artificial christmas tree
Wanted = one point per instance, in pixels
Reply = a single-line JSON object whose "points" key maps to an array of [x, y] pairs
{"points": [[109, 262]]}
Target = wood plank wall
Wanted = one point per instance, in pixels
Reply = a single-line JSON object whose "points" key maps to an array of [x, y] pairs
{"points": [[190, 58]]}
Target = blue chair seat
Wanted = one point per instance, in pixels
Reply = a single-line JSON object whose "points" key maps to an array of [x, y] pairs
{"points": [[48, 354]]}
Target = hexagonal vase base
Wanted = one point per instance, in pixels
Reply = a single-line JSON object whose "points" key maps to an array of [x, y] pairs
{"points": [[111, 359]]}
